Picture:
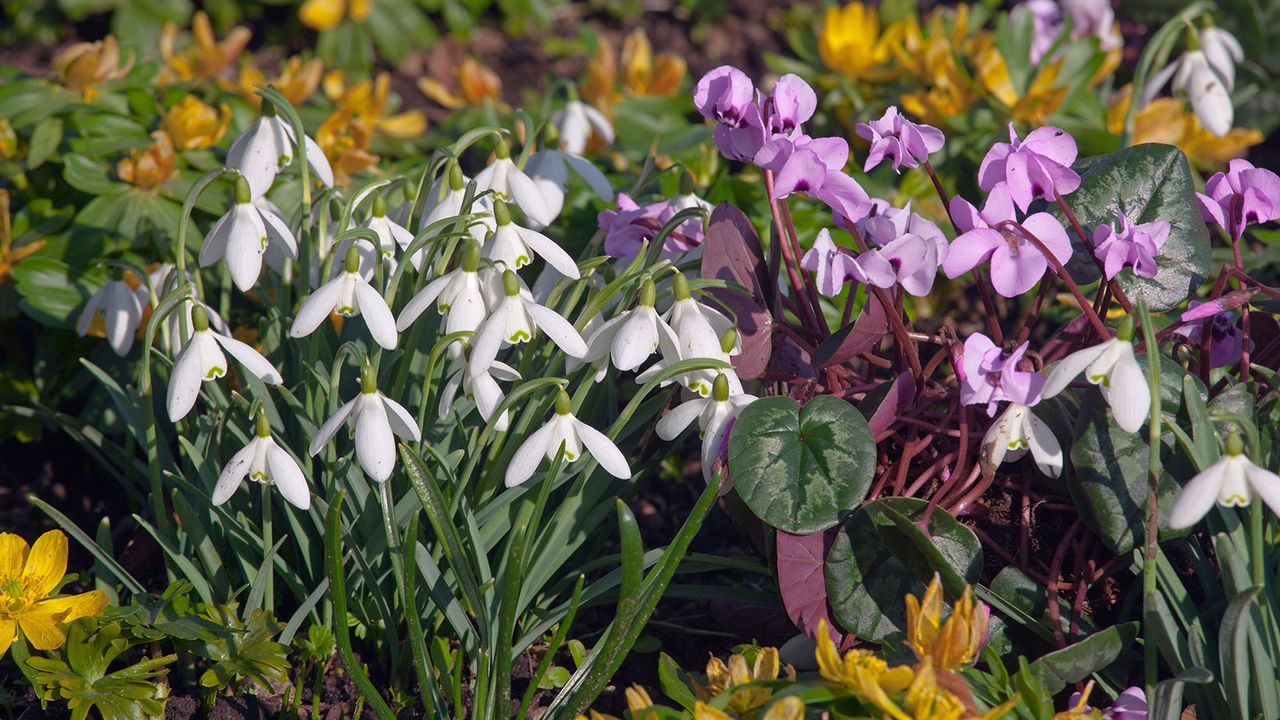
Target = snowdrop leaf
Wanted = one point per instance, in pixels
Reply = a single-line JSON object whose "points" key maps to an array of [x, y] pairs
{"points": [[801, 468], [1148, 182], [872, 564]]}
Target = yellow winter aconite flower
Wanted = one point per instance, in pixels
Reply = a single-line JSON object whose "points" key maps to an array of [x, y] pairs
{"points": [[149, 167], [324, 15], [28, 574], [864, 673], [476, 83], [8, 140], [206, 58], [637, 71], [931, 58], [743, 701], [850, 42], [1168, 120], [83, 65], [346, 145], [297, 81], [948, 645], [192, 125], [1043, 97], [366, 101]]}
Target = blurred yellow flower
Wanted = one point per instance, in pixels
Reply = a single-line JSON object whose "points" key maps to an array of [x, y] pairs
{"points": [[206, 58], [864, 673], [8, 140], [366, 101], [850, 42], [1043, 97], [28, 574], [1168, 120], [9, 255], [150, 167], [639, 703], [950, 645], [192, 125], [345, 143], [641, 74], [747, 700], [83, 65], [324, 15], [297, 81], [477, 85], [931, 59]]}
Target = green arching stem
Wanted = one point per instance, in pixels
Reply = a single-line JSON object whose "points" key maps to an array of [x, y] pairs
{"points": [[1150, 649]]}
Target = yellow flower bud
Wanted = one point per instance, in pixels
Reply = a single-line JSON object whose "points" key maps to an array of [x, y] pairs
{"points": [[192, 125], [150, 167]]}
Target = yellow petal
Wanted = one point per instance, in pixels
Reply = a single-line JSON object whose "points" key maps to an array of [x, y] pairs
{"points": [[46, 564], [13, 554], [73, 607], [360, 9], [41, 630], [406, 125], [334, 85], [322, 15], [637, 62], [767, 665], [703, 711], [788, 708], [436, 91], [8, 631]]}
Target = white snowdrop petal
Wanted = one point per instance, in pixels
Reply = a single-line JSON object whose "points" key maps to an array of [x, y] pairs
{"points": [[377, 316], [526, 194], [1128, 394], [527, 457], [215, 243], [588, 171], [326, 431], [1068, 368], [316, 308], [279, 230], [90, 309], [184, 382], [1265, 483], [233, 473], [448, 393], [423, 300], [547, 249], [251, 359], [288, 477], [561, 331], [375, 443], [1197, 497], [318, 162], [636, 340], [402, 423], [603, 450], [1045, 448], [675, 421]]}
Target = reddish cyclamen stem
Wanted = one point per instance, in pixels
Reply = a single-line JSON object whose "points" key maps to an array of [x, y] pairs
{"points": [[1098, 325], [792, 263], [1085, 240], [979, 277]]}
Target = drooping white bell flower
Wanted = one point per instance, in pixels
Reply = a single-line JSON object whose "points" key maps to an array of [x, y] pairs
{"points": [[482, 387], [1016, 431], [713, 413], [631, 337], [184, 313], [565, 429], [511, 184], [202, 360], [390, 235], [1113, 367], [241, 238], [700, 332], [445, 198], [550, 168], [266, 147], [1231, 481], [279, 236], [1206, 73], [576, 122], [516, 246], [348, 295], [120, 308], [514, 320], [458, 295], [264, 461], [376, 421]]}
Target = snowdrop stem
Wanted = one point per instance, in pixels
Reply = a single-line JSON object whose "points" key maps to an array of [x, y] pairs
{"points": [[180, 243], [1085, 240], [1081, 300], [1150, 558], [268, 541]]}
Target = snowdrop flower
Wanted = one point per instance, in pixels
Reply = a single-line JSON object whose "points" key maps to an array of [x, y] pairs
{"points": [[266, 146], [376, 421], [1016, 431], [1016, 264], [184, 312], [1135, 246], [513, 320], [574, 435], [348, 295], [240, 237], [577, 122], [202, 360], [120, 308], [903, 142], [700, 332], [510, 183], [550, 168], [515, 246], [1231, 481], [280, 238], [631, 337], [990, 376], [482, 387], [1206, 73], [1240, 197], [390, 235], [262, 460], [444, 200], [1037, 166], [458, 295], [1113, 367], [714, 414]]}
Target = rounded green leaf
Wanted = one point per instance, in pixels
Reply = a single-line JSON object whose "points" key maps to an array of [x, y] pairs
{"points": [[801, 468], [1148, 182], [873, 563]]}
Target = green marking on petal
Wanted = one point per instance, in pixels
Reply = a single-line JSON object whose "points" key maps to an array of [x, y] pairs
{"points": [[258, 476], [263, 240], [346, 311], [522, 260], [1236, 500], [1015, 444], [518, 336], [214, 373]]}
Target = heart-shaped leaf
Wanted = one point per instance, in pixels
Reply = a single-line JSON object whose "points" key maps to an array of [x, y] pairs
{"points": [[803, 581], [873, 564], [801, 468], [1148, 182]]}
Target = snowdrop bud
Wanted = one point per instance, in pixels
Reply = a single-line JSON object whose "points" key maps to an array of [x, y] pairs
{"points": [[686, 183], [720, 390], [470, 256], [352, 262], [1125, 331], [501, 213], [680, 286], [199, 319], [243, 194], [456, 183], [564, 405], [648, 293], [510, 283], [729, 340], [379, 206]]}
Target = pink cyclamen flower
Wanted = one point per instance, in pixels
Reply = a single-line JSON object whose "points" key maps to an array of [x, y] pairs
{"points": [[818, 176], [1240, 197], [1135, 246], [1226, 337], [991, 376], [631, 225], [831, 267], [727, 96], [1016, 264], [1130, 705], [897, 138], [791, 103], [1037, 166], [886, 223]]}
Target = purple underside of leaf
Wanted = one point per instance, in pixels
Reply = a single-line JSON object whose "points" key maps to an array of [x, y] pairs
{"points": [[803, 582], [732, 252], [855, 338], [898, 400]]}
